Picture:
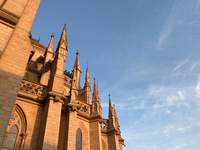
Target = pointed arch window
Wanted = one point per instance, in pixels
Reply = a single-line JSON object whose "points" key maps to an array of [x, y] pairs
{"points": [[16, 131], [11, 138], [78, 139]]}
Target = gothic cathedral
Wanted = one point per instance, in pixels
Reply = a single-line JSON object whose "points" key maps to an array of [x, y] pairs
{"points": [[43, 106]]}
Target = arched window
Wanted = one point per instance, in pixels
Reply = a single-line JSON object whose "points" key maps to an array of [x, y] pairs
{"points": [[16, 130], [11, 138], [78, 139]]}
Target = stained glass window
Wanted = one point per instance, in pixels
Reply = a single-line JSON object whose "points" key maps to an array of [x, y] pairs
{"points": [[78, 139]]}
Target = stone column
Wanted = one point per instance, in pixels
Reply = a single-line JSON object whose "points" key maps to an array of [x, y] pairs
{"points": [[50, 125], [95, 135], [113, 141], [23, 135], [71, 128]]}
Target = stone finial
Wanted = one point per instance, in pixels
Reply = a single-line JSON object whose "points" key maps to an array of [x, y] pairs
{"points": [[52, 35]]}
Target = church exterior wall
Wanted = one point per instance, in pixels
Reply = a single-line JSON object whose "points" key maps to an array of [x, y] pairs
{"points": [[84, 125], [33, 113]]}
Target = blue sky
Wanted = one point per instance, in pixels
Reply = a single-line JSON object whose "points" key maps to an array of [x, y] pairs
{"points": [[146, 54]]}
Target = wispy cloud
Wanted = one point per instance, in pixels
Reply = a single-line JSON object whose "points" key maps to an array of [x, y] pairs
{"points": [[168, 26], [177, 147], [181, 63], [197, 6], [193, 66]]}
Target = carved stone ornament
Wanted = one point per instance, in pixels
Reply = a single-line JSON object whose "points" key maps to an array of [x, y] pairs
{"points": [[33, 65], [104, 123], [14, 118], [31, 88], [84, 108]]}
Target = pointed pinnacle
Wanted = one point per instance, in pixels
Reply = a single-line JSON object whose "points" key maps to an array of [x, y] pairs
{"points": [[63, 35], [74, 79], [77, 62], [110, 103], [110, 107], [87, 78], [94, 95], [94, 87], [51, 44], [115, 111], [115, 115], [63, 39], [98, 92]]}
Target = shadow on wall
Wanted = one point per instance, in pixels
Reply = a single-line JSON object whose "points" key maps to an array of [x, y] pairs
{"points": [[2, 3], [9, 88]]}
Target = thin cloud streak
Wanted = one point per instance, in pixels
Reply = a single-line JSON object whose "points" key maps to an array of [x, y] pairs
{"points": [[168, 26], [182, 63]]}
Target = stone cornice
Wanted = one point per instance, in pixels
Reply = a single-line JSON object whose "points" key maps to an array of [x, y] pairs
{"points": [[38, 103]]}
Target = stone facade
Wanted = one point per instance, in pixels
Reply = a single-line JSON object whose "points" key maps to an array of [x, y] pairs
{"points": [[42, 106]]}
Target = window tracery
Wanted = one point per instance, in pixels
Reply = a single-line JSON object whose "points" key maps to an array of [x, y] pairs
{"points": [[16, 130]]}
